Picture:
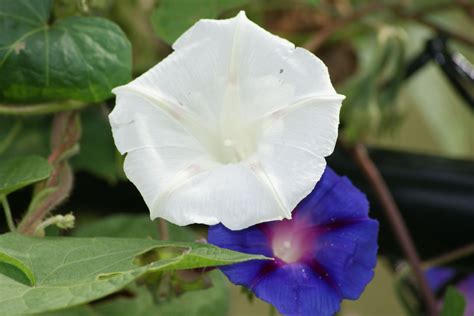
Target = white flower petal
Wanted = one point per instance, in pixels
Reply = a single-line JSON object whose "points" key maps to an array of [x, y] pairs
{"points": [[230, 194], [139, 123], [232, 127], [293, 147], [159, 171]]}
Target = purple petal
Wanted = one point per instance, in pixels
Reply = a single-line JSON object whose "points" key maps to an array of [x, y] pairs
{"points": [[250, 273], [334, 199], [348, 254], [437, 277], [251, 240], [296, 290]]}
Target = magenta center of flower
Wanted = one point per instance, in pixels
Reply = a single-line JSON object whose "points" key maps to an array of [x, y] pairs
{"points": [[290, 244]]}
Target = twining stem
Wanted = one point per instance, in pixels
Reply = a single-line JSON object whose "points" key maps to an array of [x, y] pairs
{"points": [[163, 229], [392, 212], [8, 213], [41, 108], [65, 134]]}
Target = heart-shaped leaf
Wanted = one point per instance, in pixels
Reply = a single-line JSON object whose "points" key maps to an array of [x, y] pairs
{"points": [[72, 271], [79, 58]]}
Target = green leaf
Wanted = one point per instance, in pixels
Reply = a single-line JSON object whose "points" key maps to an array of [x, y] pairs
{"points": [[209, 302], [372, 107], [15, 269], [31, 137], [131, 226], [454, 303], [172, 17], [72, 271], [79, 58], [213, 301], [16, 173]]}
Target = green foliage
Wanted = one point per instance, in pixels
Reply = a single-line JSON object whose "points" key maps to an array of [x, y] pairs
{"points": [[73, 271], [454, 303], [24, 136], [98, 154], [57, 52], [16, 173], [371, 104], [172, 17], [133, 226], [16, 270], [79, 58], [313, 2], [210, 302]]}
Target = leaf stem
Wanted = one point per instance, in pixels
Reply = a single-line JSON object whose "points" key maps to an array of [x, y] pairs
{"points": [[8, 213], [368, 167], [163, 229], [41, 108]]}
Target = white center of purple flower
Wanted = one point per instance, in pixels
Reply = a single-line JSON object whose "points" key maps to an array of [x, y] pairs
{"points": [[286, 250], [289, 243]]}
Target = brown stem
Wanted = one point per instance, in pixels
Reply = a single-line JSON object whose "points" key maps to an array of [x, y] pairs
{"points": [[392, 212], [53, 191], [62, 186], [163, 229], [451, 256]]}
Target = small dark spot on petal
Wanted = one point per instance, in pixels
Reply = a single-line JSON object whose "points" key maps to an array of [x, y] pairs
{"points": [[281, 70]]}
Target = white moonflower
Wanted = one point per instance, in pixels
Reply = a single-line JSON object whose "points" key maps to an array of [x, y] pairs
{"points": [[232, 127]]}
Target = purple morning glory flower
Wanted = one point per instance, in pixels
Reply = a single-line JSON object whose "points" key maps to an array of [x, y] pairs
{"points": [[325, 253], [439, 277]]}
